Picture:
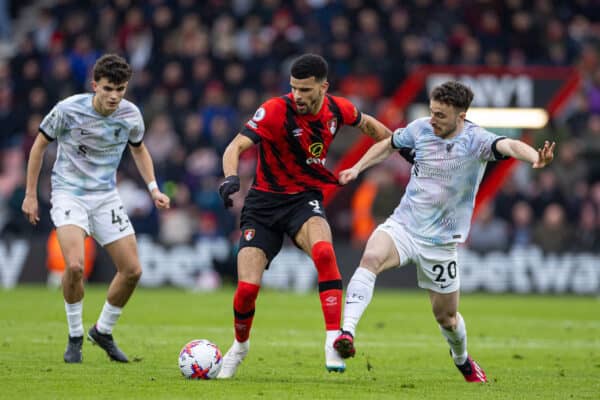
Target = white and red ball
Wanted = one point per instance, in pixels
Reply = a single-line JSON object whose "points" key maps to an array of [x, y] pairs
{"points": [[200, 359]]}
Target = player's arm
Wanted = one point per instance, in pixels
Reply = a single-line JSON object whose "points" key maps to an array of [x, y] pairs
{"points": [[376, 153], [34, 165], [231, 159], [522, 151], [373, 128], [145, 166]]}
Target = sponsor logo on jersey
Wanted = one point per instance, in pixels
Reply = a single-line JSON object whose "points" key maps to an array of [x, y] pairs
{"points": [[297, 132], [259, 114], [316, 149], [85, 133], [249, 234]]}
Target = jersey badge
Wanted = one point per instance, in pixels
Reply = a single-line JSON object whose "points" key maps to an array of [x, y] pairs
{"points": [[249, 234], [332, 125], [449, 147], [117, 131], [316, 149]]}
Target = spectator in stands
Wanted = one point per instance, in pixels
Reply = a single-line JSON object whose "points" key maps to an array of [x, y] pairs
{"points": [[553, 234], [488, 232]]}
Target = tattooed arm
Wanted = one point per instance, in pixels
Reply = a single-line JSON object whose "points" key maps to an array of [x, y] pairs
{"points": [[373, 128]]}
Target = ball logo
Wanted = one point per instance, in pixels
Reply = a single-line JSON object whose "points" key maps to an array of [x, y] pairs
{"points": [[249, 234], [259, 114], [316, 149]]}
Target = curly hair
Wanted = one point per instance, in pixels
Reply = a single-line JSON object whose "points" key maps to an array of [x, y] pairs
{"points": [[453, 93], [309, 65], [112, 67]]}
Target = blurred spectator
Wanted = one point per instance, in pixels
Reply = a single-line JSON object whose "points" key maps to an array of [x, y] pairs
{"points": [[488, 232], [587, 231], [521, 230], [553, 234]]}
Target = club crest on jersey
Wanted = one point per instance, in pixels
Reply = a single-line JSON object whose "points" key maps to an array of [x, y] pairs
{"points": [[259, 114], [332, 125], [249, 234]]}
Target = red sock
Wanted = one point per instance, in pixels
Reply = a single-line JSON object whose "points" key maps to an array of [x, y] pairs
{"points": [[330, 284], [244, 302]]}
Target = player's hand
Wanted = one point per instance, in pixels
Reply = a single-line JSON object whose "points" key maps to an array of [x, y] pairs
{"points": [[545, 155], [160, 199], [30, 209], [230, 185], [348, 175]]}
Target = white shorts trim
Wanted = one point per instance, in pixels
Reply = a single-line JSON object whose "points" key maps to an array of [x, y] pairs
{"points": [[101, 215], [437, 265]]}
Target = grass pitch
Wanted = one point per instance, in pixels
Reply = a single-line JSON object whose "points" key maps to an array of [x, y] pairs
{"points": [[531, 347]]}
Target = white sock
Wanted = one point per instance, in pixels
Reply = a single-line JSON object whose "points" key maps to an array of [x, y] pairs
{"points": [[358, 296], [75, 318], [330, 336], [108, 318], [457, 339]]}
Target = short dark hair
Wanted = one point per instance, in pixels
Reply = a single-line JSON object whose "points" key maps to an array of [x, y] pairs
{"points": [[309, 65], [112, 67], [453, 93]]}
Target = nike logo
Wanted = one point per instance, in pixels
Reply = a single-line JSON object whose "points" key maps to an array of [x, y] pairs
{"points": [[123, 228], [445, 286]]}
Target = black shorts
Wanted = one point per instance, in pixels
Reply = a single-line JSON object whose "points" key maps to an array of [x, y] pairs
{"points": [[266, 217]]}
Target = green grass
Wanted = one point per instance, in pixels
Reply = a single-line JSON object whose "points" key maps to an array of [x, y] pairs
{"points": [[532, 347]]}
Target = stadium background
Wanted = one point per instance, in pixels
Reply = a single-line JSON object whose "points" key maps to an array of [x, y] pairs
{"points": [[201, 68]]}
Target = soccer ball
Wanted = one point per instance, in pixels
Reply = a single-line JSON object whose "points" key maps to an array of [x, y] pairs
{"points": [[200, 359]]}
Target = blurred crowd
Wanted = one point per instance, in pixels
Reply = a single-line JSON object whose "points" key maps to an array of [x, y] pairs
{"points": [[201, 68]]}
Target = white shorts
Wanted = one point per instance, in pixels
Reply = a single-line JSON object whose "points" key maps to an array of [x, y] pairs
{"points": [[100, 215], [437, 267]]}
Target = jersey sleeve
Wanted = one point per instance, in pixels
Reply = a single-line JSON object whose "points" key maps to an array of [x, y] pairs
{"points": [[405, 137], [263, 123], [136, 134], [53, 123], [484, 145], [350, 114]]}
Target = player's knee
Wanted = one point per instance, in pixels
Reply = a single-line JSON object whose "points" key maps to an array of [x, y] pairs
{"points": [[322, 253], [325, 262], [371, 261], [446, 319], [132, 275], [74, 268]]}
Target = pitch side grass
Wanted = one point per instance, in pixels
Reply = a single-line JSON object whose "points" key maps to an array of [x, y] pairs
{"points": [[531, 347]]}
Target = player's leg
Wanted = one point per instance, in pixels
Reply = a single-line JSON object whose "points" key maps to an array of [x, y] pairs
{"points": [[314, 237], [453, 328], [71, 239], [251, 264], [124, 255], [380, 254]]}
